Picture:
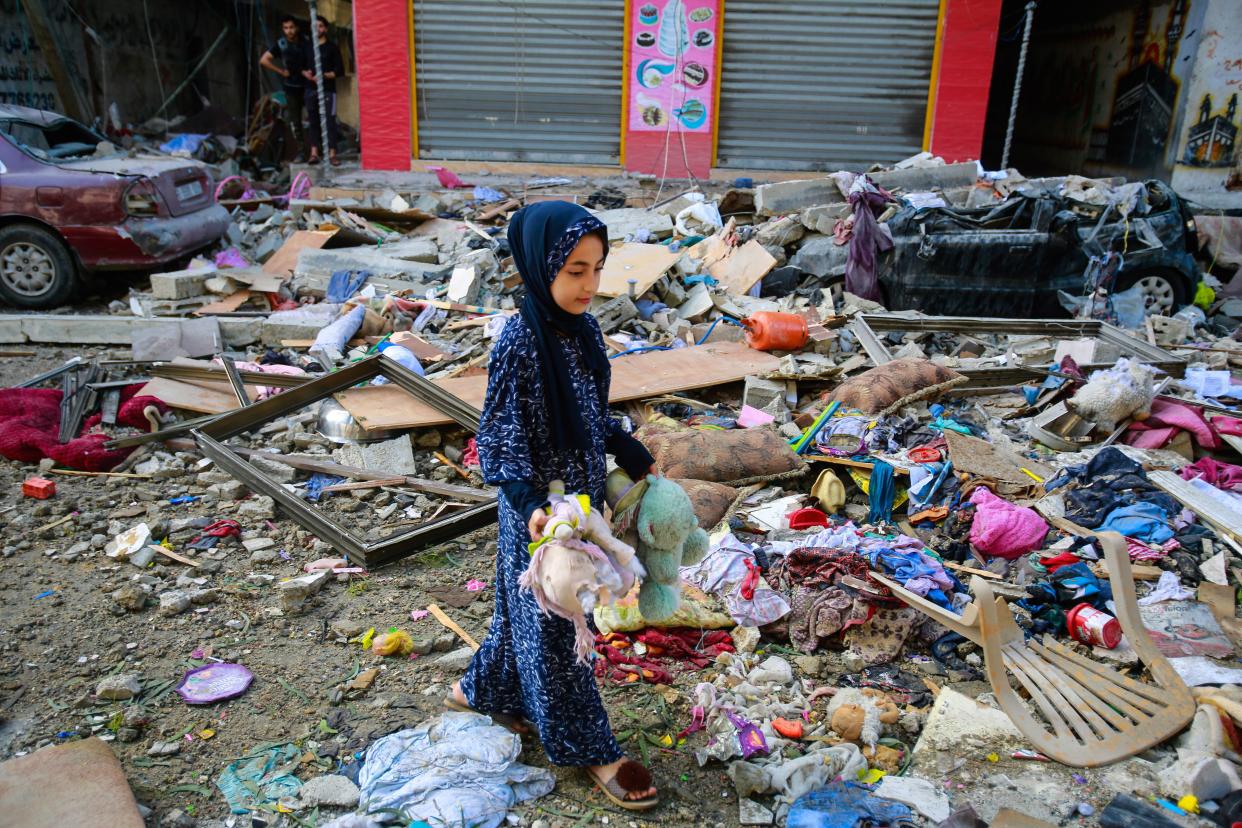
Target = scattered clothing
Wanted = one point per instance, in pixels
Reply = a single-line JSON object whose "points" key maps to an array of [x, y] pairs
{"points": [[1221, 475], [456, 769], [257, 779], [726, 572], [1001, 529], [1142, 521]]}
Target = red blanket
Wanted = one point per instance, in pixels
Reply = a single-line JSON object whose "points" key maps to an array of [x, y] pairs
{"points": [[30, 425]]}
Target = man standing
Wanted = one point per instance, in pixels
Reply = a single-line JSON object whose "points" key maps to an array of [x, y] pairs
{"points": [[295, 55], [333, 67]]}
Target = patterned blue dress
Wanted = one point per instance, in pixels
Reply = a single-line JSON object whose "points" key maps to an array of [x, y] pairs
{"points": [[526, 665]]}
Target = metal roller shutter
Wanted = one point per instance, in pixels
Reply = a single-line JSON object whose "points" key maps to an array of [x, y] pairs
{"points": [[519, 80], [822, 84]]}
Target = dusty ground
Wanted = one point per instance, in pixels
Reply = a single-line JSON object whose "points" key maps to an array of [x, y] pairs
{"points": [[62, 631]]}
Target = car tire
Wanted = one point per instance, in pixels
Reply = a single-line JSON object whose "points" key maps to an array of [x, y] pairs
{"points": [[37, 270], [1163, 290]]}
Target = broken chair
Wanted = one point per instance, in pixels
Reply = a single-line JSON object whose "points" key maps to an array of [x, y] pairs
{"points": [[1091, 714]]}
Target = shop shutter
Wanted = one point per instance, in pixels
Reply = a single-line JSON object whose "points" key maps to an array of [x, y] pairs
{"points": [[522, 80], [824, 85]]}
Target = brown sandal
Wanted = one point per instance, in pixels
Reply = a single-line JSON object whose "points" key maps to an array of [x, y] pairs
{"points": [[630, 777], [510, 723]]}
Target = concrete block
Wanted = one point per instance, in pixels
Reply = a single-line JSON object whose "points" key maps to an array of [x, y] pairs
{"points": [[295, 591], [300, 323], [822, 218], [464, 285], [395, 456], [918, 179], [781, 197], [273, 469], [184, 337], [11, 330], [240, 331], [698, 302], [821, 256], [628, 220], [319, 265], [180, 284], [960, 725]]}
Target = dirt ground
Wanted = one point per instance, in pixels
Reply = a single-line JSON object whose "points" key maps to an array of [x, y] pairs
{"points": [[62, 631]]}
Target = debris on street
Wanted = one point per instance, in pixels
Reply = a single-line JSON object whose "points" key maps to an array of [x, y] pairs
{"points": [[961, 529]]}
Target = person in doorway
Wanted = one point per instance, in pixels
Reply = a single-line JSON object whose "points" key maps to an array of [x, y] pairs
{"points": [[333, 67], [545, 417], [294, 52]]}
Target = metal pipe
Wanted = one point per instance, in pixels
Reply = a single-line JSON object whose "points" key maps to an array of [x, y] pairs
{"points": [[323, 109], [1017, 84]]}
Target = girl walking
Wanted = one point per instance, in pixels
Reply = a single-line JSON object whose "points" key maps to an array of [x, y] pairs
{"points": [[546, 418]]}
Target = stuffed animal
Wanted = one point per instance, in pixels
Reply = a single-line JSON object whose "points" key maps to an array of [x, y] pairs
{"points": [[1115, 394], [669, 538], [578, 565], [860, 715]]}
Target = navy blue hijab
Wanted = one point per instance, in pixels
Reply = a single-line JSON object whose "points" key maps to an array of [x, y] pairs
{"points": [[541, 238]]}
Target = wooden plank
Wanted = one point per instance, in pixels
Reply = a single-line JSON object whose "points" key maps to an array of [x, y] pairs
{"points": [[634, 377], [311, 463], [228, 304], [176, 556], [285, 259], [453, 625], [187, 396], [364, 484], [1224, 520], [645, 263]]}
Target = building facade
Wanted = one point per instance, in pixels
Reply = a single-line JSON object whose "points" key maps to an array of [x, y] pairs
{"points": [[675, 87]]}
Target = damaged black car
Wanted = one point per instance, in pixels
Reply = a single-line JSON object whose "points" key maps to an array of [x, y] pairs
{"points": [[1012, 259]]}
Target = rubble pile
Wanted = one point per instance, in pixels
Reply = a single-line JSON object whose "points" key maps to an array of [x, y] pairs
{"points": [[961, 563]]}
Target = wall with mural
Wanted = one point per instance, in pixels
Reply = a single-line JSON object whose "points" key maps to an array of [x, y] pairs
{"points": [[1209, 153], [1104, 89]]}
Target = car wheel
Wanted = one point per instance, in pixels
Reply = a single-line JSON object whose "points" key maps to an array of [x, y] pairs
{"points": [[36, 269], [1163, 291]]}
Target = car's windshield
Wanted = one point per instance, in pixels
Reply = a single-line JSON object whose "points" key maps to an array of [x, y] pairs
{"points": [[50, 142]]}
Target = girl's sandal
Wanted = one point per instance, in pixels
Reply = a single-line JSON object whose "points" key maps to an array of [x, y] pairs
{"points": [[509, 723], [629, 778]]}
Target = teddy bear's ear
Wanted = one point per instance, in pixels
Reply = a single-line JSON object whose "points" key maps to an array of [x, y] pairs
{"points": [[644, 531]]}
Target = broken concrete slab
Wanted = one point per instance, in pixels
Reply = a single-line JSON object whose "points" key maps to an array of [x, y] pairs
{"points": [[84, 329], [961, 724], [920, 794], [698, 302], [781, 197], [315, 267], [187, 337], [295, 591], [823, 218], [180, 284], [301, 323], [821, 256], [395, 456], [627, 221]]}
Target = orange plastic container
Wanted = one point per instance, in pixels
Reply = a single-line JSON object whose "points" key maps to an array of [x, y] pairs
{"points": [[773, 331]]}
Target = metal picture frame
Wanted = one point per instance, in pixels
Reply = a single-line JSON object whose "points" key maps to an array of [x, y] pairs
{"points": [[211, 436]]}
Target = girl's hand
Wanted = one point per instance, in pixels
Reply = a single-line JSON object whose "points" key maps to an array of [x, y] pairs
{"points": [[536, 523], [654, 470]]}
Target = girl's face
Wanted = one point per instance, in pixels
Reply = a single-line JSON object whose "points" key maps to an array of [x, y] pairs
{"points": [[577, 281]]}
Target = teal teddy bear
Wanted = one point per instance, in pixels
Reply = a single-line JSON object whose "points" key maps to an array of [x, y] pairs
{"points": [[669, 538]]}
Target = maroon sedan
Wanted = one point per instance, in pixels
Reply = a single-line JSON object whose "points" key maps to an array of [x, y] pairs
{"points": [[65, 212]]}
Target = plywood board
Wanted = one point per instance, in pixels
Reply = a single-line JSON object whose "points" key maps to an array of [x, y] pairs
{"points": [[228, 304], [285, 259], [201, 399], [633, 377], [742, 267], [645, 263], [1215, 512]]}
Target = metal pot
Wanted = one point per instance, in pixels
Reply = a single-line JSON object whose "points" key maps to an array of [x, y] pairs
{"points": [[339, 426]]}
